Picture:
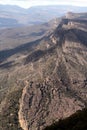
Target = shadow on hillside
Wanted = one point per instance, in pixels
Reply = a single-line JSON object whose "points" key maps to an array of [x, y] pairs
{"points": [[77, 121], [4, 54], [81, 36], [6, 65], [72, 35]]}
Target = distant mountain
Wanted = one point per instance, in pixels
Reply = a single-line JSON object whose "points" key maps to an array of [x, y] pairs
{"points": [[13, 37], [45, 80], [11, 16], [34, 15], [11, 8]]}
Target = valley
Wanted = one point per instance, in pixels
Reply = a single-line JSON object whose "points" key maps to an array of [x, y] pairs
{"points": [[15, 16], [43, 73]]}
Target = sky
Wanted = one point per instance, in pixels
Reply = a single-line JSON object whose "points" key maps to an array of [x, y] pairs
{"points": [[30, 3]]}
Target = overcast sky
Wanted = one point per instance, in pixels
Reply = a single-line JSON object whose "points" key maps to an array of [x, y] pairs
{"points": [[29, 3]]}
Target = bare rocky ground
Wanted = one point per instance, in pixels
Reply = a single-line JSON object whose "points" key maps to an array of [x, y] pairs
{"points": [[51, 78]]}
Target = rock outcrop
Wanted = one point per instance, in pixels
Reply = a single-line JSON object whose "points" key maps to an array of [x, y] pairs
{"points": [[61, 90], [45, 80]]}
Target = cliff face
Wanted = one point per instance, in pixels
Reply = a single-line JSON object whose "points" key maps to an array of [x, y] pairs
{"points": [[57, 87], [44, 81]]}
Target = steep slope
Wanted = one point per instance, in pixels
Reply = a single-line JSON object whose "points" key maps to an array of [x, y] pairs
{"points": [[77, 121], [62, 71], [13, 72], [52, 78]]}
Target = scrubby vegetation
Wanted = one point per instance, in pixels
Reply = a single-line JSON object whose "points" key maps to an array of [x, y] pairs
{"points": [[52, 71], [9, 115]]}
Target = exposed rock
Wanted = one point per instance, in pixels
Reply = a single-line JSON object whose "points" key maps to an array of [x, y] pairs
{"points": [[42, 104], [62, 92], [53, 75]]}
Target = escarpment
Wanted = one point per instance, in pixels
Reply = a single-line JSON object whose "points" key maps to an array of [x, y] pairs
{"points": [[50, 75], [61, 90]]}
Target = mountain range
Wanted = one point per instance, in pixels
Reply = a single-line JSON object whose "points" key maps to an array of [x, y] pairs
{"points": [[44, 80], [14, 16]]}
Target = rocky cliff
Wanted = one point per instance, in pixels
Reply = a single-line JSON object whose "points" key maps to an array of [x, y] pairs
{"points": [[57, 88], [47, 82]]}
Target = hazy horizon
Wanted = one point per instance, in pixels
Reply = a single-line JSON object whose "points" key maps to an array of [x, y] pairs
{"points": [[30, 3]]}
